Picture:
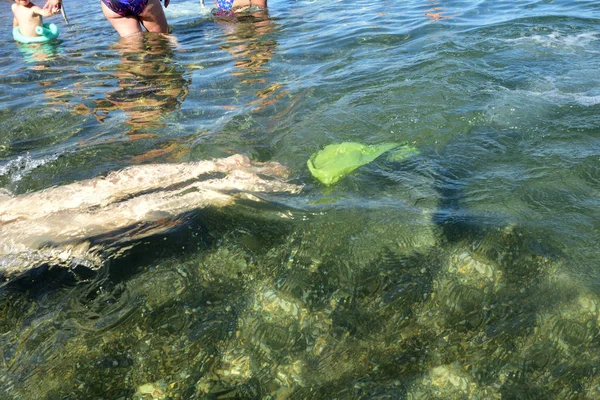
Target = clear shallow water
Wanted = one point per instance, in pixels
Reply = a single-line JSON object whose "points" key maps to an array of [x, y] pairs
{"points": [[469, 271]]}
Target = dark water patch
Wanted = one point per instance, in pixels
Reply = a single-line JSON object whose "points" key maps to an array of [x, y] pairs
{"points": [[232, 318]]}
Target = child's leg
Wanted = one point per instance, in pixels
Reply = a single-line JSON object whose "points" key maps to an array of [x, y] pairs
{"points": [[153, 18], [125, 26]]}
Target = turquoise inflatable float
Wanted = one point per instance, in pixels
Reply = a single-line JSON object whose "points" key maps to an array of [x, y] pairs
{"points": [[46, 33]]}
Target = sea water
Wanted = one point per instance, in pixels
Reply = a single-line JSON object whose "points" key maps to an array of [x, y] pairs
{"points": [[470, 270]]}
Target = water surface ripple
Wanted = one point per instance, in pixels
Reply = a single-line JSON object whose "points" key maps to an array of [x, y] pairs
{"points": [[468, 271]]}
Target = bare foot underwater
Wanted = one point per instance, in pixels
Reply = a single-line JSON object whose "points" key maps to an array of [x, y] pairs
{"points": [[85, 222]]}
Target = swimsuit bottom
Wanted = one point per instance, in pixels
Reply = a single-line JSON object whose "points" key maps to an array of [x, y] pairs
{"points": [[126, 8], [224, 5]]}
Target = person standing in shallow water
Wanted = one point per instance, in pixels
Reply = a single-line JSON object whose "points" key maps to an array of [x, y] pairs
{"points": [[129, 16], [239, 5]]}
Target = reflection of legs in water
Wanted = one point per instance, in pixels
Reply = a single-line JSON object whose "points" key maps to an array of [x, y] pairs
{"points": [[249, 41], [152, 18], [150, 84], [436, 12], [246, 42]]}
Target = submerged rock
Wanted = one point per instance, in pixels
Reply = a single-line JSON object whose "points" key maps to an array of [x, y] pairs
{"points": [[86, 222]]}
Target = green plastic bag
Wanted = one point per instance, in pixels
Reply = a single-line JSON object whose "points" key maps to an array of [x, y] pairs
{"points": [[337, 160]]}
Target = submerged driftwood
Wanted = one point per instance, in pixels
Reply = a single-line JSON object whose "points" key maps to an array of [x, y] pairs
{"points": [[85, 222]]}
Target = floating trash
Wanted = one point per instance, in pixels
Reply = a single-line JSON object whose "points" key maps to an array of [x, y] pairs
{"points": [[338, 160]]}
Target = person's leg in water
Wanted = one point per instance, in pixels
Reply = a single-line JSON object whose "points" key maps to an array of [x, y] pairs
{"points": [[239, 5], [249, 3], [152, 17]]}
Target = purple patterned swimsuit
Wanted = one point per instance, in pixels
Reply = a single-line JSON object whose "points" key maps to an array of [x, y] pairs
{"points": [[224, 5], [126, 8]]}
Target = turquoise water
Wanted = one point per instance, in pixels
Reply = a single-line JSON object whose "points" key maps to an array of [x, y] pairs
{"points": [[469, 271]]}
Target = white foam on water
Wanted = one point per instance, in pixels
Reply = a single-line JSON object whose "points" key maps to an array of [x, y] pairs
{"points": [[587, 100], [22, 165], [581, 99], [558, 97], [581, 41], [512, 107], [548, 90], [559, 40]]}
